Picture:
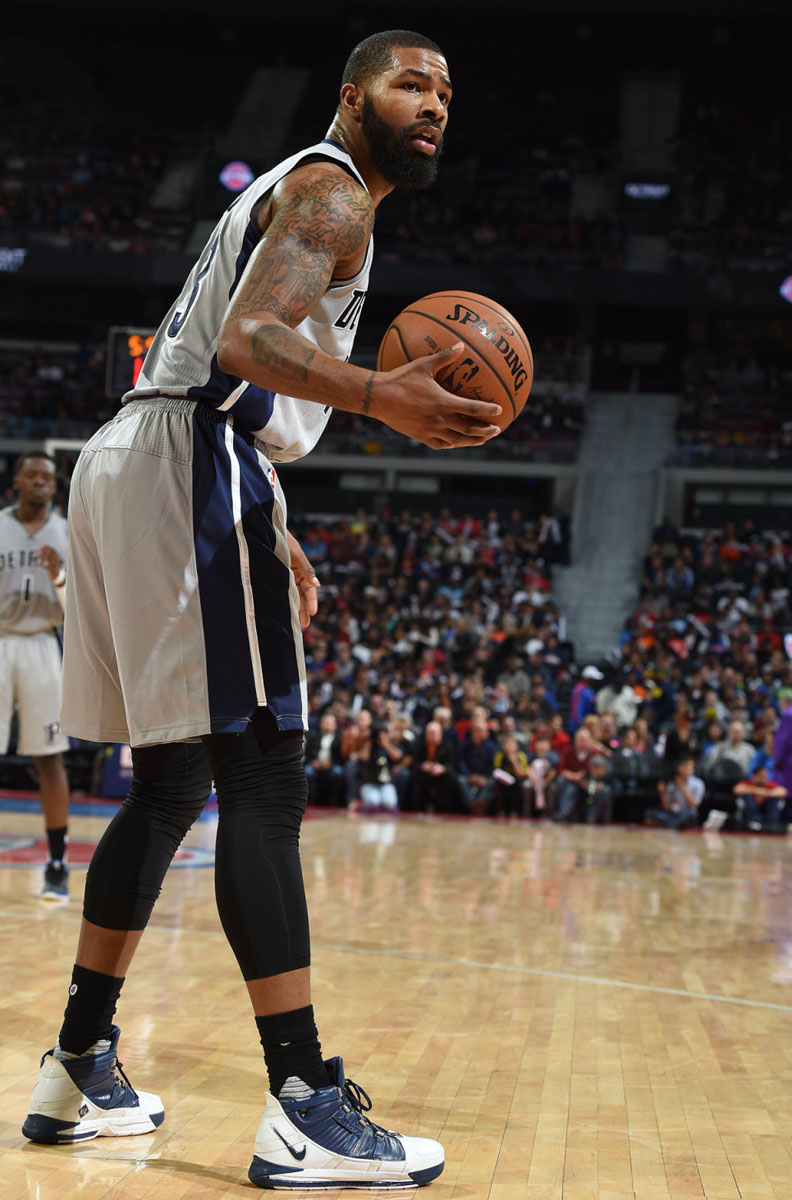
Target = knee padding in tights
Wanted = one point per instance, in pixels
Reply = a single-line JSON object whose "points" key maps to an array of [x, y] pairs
{"points": [[262, 792], [170, 786]]}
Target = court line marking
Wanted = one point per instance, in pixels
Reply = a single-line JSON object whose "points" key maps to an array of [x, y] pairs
{"points": [[439, 960], [544, 974]]}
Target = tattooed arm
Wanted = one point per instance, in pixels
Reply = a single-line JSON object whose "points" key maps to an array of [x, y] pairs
{"points": [[317, 228]]}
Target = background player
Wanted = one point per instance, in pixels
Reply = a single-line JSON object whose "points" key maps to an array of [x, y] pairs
{"points": [[33, 545], [183, 617]]}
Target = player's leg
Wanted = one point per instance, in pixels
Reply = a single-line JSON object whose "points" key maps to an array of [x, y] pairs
{"points": [[313, 1132], [80, 1093], [54, 793], [38, 687]]}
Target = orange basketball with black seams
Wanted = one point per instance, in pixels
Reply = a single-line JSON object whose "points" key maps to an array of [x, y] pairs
{"points": [[497, 364]]}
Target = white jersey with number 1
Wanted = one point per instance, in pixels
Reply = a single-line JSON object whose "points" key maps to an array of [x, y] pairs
{"points": [[28, 600]]}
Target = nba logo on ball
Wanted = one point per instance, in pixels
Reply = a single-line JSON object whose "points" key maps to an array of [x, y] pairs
{"points": [[236, 176], [496, 364]]}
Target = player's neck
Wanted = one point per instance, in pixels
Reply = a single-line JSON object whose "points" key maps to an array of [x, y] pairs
{"points": [[32, 516], [351, 141]]}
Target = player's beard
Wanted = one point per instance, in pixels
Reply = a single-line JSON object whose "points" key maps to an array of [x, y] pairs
{"points": [[392, 153]]}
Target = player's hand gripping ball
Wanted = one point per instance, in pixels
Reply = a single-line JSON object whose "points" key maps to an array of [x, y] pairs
{"points": [[497, 364]]}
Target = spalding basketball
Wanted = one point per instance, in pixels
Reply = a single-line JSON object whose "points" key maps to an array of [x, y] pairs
{"points": [[497, 365]]}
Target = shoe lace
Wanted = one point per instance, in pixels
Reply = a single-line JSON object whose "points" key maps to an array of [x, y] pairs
{"points": [[120, 1077], [360, 1101], [357, 1097]]}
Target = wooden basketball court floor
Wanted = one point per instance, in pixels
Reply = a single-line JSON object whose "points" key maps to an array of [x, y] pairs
{"points": [[575, 1013]]}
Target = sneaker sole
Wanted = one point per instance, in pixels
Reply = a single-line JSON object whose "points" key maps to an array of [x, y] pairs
{"points": [[274, 1176], [49, 1131]]}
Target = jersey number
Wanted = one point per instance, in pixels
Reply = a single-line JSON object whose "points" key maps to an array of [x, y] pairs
{"points": [[349, 317], [180, 317]]}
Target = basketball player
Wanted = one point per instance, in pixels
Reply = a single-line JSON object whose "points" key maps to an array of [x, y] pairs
{"points": [[33, 544], [185, 598]]}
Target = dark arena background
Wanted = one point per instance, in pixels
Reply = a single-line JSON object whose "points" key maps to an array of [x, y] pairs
{"points": [[582, 987]]}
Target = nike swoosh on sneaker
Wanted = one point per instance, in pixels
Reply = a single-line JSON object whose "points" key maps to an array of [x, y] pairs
{"points": [[298, 1154]]}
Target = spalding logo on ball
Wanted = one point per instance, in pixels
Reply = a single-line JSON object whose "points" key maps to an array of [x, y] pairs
{"points": [[497, 365]]}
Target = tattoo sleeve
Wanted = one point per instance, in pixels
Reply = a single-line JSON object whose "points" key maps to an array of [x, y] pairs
{"points": [[323, 217], [273, 348]]}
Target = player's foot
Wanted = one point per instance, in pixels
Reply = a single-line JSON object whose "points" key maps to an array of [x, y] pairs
{"points": [[88, 1096], [327, 1142], [56, 881]]}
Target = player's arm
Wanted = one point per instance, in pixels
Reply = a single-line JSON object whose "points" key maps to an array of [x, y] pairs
{"points": [[53, 564], [318, 227], [306, 580]]}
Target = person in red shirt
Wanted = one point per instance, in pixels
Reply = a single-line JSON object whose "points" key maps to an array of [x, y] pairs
{"points": [[559, 738], [762, 797], [572, 773]]}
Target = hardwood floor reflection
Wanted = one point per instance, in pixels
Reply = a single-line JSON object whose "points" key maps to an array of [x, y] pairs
{"points": [[576, 1013]]}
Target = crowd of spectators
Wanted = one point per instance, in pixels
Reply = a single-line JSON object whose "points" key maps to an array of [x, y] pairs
{"points": [[735, 209], [436, 655], [81, 168], [60, 391], [705, 662], [440, 679], [734, 414], [52, 390]]}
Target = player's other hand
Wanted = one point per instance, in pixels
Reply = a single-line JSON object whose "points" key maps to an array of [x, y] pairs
{"points": [[306, 581], [410, 400], [50, 560]]}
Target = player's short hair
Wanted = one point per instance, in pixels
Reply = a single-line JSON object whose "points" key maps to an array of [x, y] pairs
{"points": [[23, 458], [373, 55]]}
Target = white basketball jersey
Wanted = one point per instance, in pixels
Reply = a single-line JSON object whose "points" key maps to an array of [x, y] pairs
{"points": [[182, 359], [28, 600]]}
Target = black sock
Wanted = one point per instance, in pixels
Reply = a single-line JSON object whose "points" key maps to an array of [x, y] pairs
{"points": [[89, 1010], [57, 843], [291, 1049]]}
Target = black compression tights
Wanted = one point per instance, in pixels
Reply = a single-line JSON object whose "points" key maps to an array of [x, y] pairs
{"points": [[261, 795]]}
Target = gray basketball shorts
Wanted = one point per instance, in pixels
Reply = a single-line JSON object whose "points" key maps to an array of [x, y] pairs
{"points": [[182, 614]]}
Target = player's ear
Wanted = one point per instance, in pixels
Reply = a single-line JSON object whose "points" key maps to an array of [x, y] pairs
{"points": [[352, 101]]}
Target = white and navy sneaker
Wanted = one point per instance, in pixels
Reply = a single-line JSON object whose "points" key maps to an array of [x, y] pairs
{"points": [[56, 881], [87, 1096], [327, 1142]]}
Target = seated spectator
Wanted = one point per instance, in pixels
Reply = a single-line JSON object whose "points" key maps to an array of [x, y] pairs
{"points": [[476, 762], [355, 739], [584, 697], [509, 776], [402, 739], [324, 764], [593, 722], [762, 800], [764, 756], [598, 792], [374, 772], [643, 742], [681, 740], [559, 738], [572, 773], [680, 798], [619, 700], [735, 749], [434, 786], [542, 771]]}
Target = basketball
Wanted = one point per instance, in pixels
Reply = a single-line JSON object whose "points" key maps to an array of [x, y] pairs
{"points": [[497, 365]]}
